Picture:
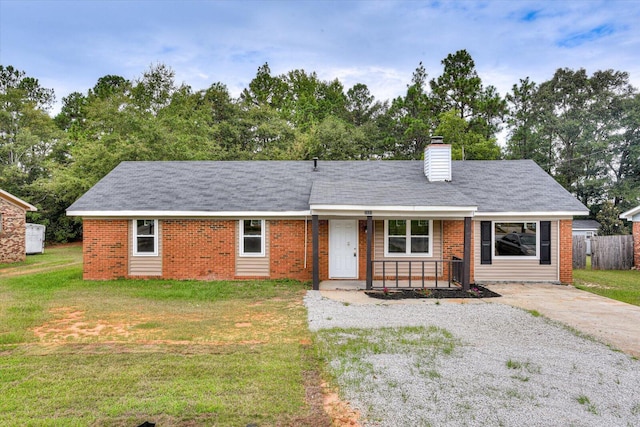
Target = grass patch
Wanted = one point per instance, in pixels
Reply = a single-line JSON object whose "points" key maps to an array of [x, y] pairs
{"points": [[175, 353], [528, 367], [348, 353], [53, 258], [584, 400], [615, 284]]}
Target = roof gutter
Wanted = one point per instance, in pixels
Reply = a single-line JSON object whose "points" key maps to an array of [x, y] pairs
{"points": [[183, 214]]}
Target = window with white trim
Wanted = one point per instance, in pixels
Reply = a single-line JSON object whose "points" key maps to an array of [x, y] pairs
{"points": [[515, 239], [145, 240], [252, 239], [408, 237]]}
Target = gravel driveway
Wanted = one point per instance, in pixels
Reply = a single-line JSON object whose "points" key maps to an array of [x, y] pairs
{"points": [[507, 368]]}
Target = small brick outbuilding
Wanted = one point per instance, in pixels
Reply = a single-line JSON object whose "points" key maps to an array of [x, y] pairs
{"points": [[12, 227]]}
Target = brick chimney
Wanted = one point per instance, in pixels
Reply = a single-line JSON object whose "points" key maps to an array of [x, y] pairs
{"points": [[437, 160]]}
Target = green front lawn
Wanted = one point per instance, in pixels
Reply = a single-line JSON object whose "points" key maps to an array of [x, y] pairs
{"points": [[621, 285], [121, 352]]}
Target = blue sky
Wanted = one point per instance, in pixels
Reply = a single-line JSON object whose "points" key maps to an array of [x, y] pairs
{"points": [[68, 45]]}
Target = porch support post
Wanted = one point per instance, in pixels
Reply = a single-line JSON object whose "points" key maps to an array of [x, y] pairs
{"points": [[315, 228], [466, 263], [369, 243]]}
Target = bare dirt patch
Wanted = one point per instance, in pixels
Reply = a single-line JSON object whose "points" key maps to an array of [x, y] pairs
{"points": [[70, 324], [595, 285], [339, 411]]}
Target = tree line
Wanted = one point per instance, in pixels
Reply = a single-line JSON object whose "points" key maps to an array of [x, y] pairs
{"points": [[583, 129]]}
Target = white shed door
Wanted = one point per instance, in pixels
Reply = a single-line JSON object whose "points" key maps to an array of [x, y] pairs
{"points": [[343, 249]]}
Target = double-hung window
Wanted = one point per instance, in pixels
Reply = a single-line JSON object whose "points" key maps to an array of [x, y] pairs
{"points": [[252, 241], [145, 242], [408, 237]]}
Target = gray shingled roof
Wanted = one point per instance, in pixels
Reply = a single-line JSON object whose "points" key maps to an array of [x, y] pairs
{"points": [[585, 224], [279, 186]]}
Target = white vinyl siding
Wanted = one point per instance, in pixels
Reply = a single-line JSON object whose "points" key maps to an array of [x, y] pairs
{"points": [[437, 162], [403, 267], [148, 265], [253, 266], [515, 269]]}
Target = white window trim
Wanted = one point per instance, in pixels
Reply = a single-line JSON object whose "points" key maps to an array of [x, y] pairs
{"points": [[136, 235], [514, 257], [387, 254], [262, 252]]}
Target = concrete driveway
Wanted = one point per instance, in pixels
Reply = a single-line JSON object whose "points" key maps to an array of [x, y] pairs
{"points": [[609, 321]]}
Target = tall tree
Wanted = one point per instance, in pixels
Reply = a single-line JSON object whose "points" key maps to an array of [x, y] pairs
{"points": [[580, 115], [465, 144], [407, 125], [459, 87], [27, 133], [153, 91], [523, 142]]}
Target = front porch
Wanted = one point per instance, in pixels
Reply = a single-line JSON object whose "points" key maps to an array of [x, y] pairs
{"points": [[447, 267]]}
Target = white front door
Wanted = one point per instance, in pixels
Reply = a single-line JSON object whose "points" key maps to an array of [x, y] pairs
{"points": [[343, 249]]}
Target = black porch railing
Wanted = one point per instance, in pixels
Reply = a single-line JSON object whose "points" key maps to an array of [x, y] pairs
{"points": [[457, 269], [418, 273]]}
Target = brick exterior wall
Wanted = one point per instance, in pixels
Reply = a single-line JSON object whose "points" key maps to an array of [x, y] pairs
{"points": [[202, 249], [636, 244], [287, 249], [566, 251], [362, 250], [453, 243], [323, 248], [12, 232], [105, 246], [205, 249], [198, 249]]}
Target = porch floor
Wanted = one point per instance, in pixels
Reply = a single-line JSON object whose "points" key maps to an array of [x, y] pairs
{"points": [[360, 285]]}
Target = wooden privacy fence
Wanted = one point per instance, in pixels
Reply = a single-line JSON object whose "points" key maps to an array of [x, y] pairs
{"points": [[579, 252], [611, 252]]}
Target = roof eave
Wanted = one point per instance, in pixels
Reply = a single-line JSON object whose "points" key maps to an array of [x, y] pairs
{"points": [[628, 215], [17, 201], [540, 214], [184, 214], [396, 211]]}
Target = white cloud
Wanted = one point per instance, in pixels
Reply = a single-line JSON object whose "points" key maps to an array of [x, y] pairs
{"points": [[69, 45]]}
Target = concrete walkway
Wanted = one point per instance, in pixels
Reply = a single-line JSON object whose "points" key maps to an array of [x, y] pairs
{"points": [[609, 321]]}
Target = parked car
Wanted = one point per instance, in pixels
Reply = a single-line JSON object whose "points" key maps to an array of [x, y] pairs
{"points": [[517, 244]]}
